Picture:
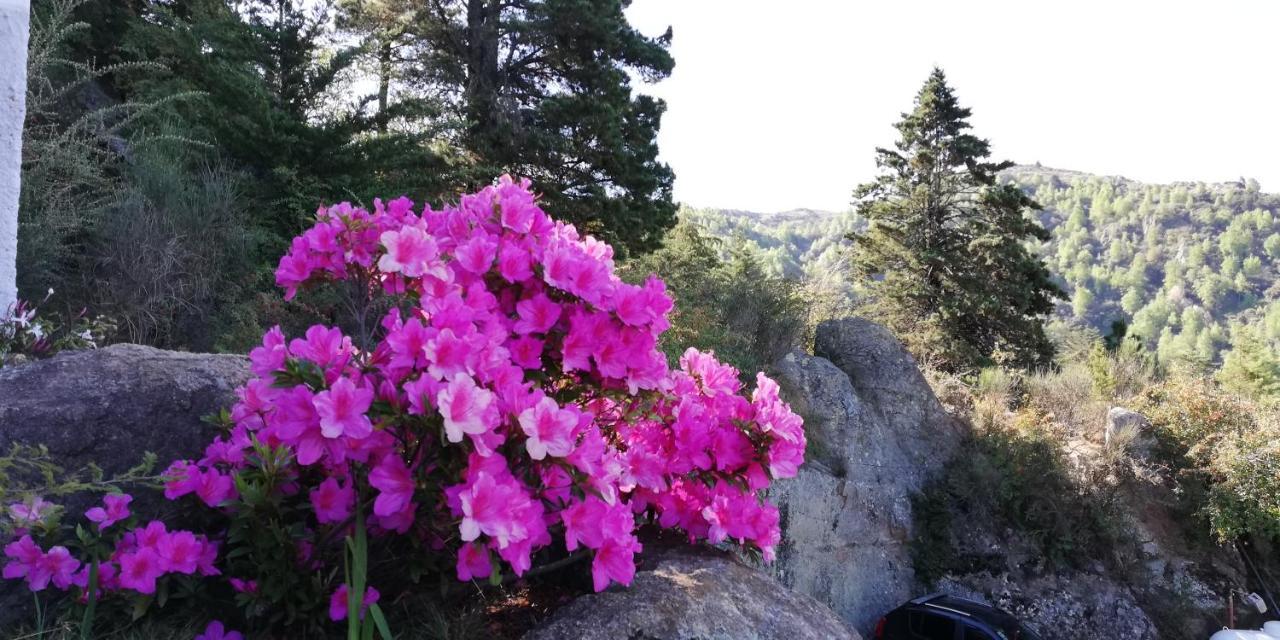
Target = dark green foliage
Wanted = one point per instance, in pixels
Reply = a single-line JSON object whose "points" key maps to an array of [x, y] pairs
{"points": [[543, 90], [725, 300], [1251, 367], [1016, 477], [945, 253]]}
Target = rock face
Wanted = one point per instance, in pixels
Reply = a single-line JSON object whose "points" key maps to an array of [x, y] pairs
{"points": [[694, 594], [107, 407], [1077, 606], [876, 435]]}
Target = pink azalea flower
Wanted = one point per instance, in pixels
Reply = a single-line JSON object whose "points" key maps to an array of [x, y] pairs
{"points": [[410, 251], [26, 560], [115, 509], [140, 569], [342, 410], [394, 483], [449, 354], [180, 551], [464, 407], [31, 512], [614, 561], [338, 603], [60, 566], [215, 631], [514, 262], [493, 506], [476, 255], [537, 314], [473, 562], [526, 351], [550, 429], [332, 502], [214, 488]]}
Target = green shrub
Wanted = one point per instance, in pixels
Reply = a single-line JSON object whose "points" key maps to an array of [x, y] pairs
{"points": [[1224, 451], [726, 301]]}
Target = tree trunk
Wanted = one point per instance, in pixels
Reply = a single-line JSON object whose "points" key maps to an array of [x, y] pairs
{"points": [[14, 31], [384, 81], [482, 34]]}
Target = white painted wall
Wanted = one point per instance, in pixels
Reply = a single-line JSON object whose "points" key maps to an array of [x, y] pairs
{"points": [[14, 31]]}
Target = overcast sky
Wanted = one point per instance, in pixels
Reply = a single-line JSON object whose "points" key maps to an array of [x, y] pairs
{"points": [[780, 104]]}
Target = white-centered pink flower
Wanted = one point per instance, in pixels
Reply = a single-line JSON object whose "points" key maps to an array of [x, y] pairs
{"points": [[464, 407], [550, 429]]}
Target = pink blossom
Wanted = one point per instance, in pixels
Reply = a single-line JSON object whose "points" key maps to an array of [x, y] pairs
{"points": [[215, 631], [31, 512], [614, 561], [60, 567], [342, 410], [411, 252], [493, 506], [332, 502], [115, 509], [140, 569], [26, 560], [476, 255], [395, 485], [537, 314], [465, 407], [214, 488], [473, 562], [550, 429], [338, 603], [180, 551]]}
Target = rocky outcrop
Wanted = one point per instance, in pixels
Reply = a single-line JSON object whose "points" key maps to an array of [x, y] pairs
{"points": [[107, 407], [1077, 606], [694, 594], [876, 435]]}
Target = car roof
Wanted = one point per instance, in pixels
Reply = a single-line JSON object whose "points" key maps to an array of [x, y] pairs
{"points": [[969, 609]]}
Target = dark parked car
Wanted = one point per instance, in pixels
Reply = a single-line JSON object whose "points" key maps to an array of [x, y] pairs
{"points": [[943, 617]]}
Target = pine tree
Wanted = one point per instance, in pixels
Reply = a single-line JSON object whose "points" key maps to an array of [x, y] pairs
{"points": [[1251, 367], [945, 252], [543, 89]]}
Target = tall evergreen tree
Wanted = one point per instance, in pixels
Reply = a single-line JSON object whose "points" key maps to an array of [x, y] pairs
{"points": [[945, 250], [543, 89]]}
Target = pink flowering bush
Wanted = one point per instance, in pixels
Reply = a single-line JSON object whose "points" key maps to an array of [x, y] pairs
{"points": [[498, 400]]}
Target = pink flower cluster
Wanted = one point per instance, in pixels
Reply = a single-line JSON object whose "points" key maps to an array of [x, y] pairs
{"points": [[513, 395], [140, 557]]}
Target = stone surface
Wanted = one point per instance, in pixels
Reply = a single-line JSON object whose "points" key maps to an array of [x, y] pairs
{"points": [[694, 594], [876, 434], [1126, 428], [107, 407], [1076, 606]]}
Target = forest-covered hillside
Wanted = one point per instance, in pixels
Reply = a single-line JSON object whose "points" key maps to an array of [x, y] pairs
{"points": [[1181, 263]]}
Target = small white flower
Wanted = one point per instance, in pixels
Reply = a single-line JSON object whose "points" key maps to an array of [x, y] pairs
{"points": [[36, 331]]}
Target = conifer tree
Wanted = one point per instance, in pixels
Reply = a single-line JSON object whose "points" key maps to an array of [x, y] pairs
{"points": [[543, 89], [1251, 367], [945, 253]]}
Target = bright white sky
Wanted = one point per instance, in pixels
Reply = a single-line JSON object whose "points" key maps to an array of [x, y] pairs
{"points": [[777, 104]]}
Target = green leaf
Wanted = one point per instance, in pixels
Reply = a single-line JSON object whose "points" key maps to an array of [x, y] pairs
{"points": [[384, 630]]}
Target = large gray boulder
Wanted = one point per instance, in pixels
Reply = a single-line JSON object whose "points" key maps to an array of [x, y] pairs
{"points": [[108, 407], [694, 594], [876, 434]]}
